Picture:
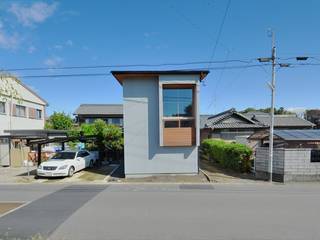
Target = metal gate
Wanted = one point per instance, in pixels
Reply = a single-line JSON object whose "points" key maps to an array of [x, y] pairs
{"points": [[4, 152]]}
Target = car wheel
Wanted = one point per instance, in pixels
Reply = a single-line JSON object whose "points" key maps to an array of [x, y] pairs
{"points": [[71, 171], [91, 164]]}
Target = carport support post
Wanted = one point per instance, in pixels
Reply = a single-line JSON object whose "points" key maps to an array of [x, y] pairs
{"points": [[39, 154]]}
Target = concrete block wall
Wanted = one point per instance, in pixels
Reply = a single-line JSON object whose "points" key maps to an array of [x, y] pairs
{"points": [[288, 165], [298, 165], [262, 160]]}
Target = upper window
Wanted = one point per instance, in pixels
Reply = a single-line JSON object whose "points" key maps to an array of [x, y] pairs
{"points": [[178, 115], [2, 107], [20, 111], [38, 114], [177, 102]]}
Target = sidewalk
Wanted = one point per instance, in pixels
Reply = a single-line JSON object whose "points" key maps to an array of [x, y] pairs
{"points": [[17, 175]]}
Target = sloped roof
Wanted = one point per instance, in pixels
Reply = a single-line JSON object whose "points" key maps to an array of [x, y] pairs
{"points": [[120, 75], [289, 135], [99, 109], [228, 119], [282, 120], [298, 135]]}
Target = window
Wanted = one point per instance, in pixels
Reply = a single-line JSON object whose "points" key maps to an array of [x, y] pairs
{"points": [[38, 114], [2, 107], [82, 154], [178, 115], [315, 155], [20, 111], [89, 120], [177, 102]]}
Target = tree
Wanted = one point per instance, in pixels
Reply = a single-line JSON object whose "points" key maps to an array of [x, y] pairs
{"points": [[8, 87], [279, 111], [59, 121], [108, 137]]}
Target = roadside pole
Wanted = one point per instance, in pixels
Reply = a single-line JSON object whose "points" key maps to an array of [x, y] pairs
{"points": [[273, 88]]}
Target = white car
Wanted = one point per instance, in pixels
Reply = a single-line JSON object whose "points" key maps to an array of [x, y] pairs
{"points": [[66, 163]]}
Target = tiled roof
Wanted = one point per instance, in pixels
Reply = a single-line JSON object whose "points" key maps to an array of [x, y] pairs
{"points": [[283, 121], [99, 109], [228, 119]]}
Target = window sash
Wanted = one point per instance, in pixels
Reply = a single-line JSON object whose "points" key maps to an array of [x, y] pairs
{"points": [[38, 114], [20, 111], [2, 107]]}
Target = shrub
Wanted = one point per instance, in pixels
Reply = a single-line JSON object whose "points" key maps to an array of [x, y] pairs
{"points": [[229, 155]]}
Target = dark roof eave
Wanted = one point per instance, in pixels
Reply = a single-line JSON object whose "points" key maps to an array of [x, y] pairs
{"points": [[120, 74]]}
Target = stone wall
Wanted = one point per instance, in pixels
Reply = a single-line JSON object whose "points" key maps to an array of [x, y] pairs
{"points": [[288, 165]]}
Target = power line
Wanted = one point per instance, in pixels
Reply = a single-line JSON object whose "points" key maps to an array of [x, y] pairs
{"points": [[181, 69], [108, 74], [125, 65], [68, 75], [219, 32]]}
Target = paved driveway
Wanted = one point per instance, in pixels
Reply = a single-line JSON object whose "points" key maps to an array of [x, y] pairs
{"points": [[170, 211]]}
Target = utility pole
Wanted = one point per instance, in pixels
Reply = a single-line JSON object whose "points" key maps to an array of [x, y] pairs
{"points": [[273, 88]]}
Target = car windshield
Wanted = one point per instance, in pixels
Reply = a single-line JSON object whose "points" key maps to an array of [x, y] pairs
{"points": [[64, 155]]}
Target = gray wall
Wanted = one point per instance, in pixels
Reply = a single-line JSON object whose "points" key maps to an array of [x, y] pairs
{"points": [[143, 154], [293, 164]]}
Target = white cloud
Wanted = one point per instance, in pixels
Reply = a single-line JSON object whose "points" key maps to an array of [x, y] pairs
{"points": [[58, 46], [150, 34], [69, 43], [31, 49], [53, 61], [38, 12], [8, 41]]}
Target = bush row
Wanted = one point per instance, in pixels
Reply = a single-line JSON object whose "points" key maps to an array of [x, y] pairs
{"points": [[229, 155]]}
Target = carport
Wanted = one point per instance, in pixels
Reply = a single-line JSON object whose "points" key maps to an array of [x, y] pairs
{"points": [[31, 137]]}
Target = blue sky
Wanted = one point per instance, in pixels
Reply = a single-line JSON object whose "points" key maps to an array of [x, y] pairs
{"points": [[113, 32]]}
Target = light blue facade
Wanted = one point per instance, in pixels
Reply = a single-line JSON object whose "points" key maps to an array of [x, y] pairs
{"points": [[143, 153]]}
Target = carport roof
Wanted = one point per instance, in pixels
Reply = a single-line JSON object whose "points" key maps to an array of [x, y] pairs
{"points": [[34, 133]]}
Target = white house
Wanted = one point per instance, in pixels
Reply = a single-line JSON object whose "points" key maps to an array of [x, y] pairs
{"points": [[24, 110], [20, 109]]}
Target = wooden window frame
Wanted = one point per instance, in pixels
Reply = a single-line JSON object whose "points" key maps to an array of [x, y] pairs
{"points": [[179, 136]]}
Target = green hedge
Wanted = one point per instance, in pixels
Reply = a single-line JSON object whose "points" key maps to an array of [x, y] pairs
{"points": [[229, 155]]}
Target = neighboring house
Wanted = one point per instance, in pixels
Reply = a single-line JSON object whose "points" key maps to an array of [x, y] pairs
{"points": [[313, 115], [233, 125], [290, 121], [28, 108], [111, 113], [228, 125], [162, 122], [20, 109], [296, 155]]}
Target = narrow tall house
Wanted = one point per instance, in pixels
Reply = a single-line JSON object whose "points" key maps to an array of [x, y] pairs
{"points": [[161, 121]]}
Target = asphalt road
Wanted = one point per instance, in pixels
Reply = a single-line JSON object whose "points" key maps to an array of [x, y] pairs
{"points": [[164, 211]]}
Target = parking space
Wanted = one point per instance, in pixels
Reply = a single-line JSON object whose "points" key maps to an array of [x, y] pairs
{"points": [[90, 175]]}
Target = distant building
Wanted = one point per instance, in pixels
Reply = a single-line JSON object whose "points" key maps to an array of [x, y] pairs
{"points": [[313, 115], [21, 108], [28, 108], [110, 113], [233, 125], [296, 155]]}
